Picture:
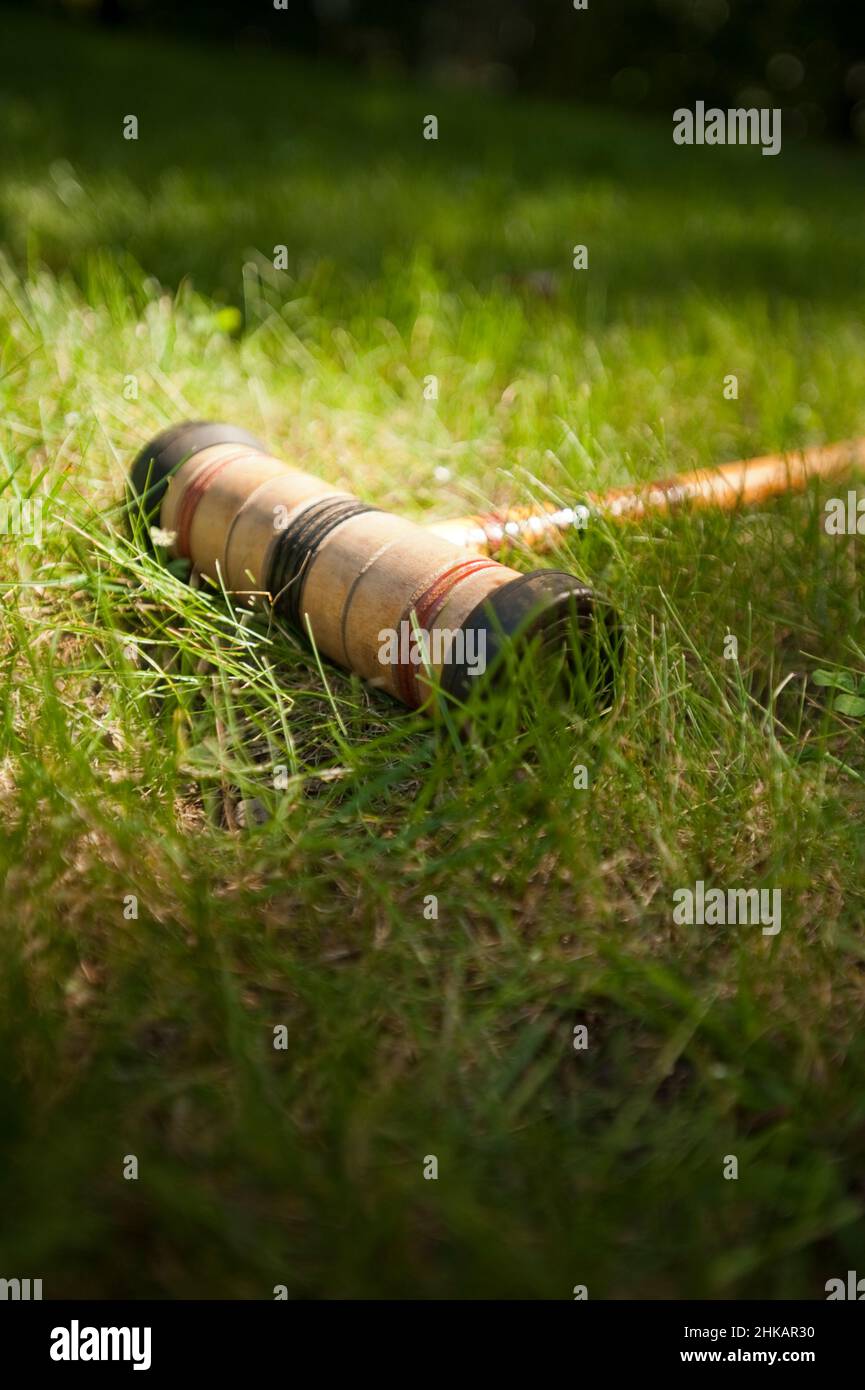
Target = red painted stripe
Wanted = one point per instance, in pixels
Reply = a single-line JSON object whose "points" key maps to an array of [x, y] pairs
{"points": [[193, 495], [426, 606]]}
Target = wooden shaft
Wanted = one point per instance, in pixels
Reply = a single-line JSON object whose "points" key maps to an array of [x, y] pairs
{"points": [[732, 485], [360, 580]]}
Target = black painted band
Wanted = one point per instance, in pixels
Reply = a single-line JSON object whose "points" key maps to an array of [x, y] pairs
{"points": [[164, 455], [296, 547], [542, 605]]}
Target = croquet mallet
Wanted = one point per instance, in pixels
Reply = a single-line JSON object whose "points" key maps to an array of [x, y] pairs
{"points": [[343, 572]]}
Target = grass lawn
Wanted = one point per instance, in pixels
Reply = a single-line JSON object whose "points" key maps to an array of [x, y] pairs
{"points": [[137, 288]]}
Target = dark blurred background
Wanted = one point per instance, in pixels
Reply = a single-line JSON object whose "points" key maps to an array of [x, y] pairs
{"points": [[806, 56]]}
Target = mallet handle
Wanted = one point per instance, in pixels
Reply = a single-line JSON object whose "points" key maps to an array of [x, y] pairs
{"points": [[732, 485]]}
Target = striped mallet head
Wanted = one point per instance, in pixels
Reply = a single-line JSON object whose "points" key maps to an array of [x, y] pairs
{"points": [[402, 607]]}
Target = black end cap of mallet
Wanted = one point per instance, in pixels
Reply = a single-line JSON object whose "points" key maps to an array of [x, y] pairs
{"points": [[158, 460], [552, 608]]}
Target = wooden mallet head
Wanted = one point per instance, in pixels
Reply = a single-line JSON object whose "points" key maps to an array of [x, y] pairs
{"points": [[403, 607]]}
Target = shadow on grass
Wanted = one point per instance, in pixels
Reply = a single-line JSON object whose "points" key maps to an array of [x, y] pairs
{"points": [[239, 152]]}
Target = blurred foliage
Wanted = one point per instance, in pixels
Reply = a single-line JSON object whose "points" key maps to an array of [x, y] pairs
{"points": [[651, 55]]}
